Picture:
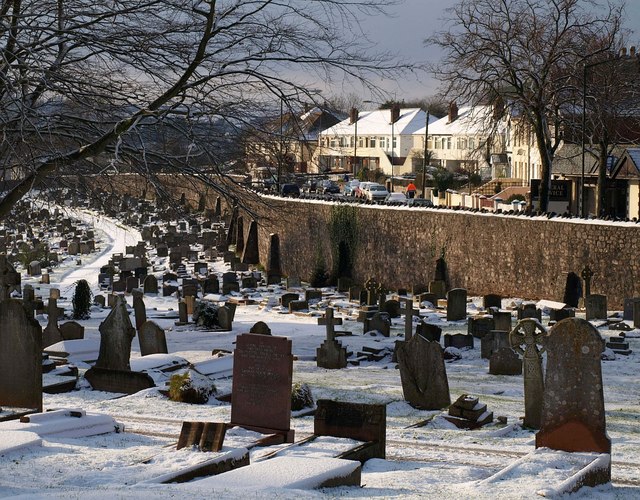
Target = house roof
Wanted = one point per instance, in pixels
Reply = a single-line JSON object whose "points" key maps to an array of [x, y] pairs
{"points": [[378, 122], [628, 166], [568, 160], [305, 127], [471, 120]]}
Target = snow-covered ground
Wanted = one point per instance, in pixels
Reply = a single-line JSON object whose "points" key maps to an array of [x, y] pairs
{"points": [[436, 460]]}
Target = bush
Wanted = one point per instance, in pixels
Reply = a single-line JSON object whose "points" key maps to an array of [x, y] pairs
{"points": [[301, 397], [205, 314], [82, 298], [320, 275], [190, 387]]}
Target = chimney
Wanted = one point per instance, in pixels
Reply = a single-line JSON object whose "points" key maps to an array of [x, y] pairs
{"points": [[498, 108], [632, 51], [623, 51], [453, 111], [395, 112], [353, 116]]}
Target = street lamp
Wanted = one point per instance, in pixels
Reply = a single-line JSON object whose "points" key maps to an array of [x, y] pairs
{"points": [[424, 156]]}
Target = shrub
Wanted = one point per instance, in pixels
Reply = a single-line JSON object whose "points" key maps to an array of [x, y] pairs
{"points": [[82, 298], [319, 276], [190, 387], [301, 397], [205, 314]]}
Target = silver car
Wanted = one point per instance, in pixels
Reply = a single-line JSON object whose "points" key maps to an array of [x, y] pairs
{"points": [[376, 192]]}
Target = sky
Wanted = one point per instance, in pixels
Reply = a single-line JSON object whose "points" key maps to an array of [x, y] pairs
{"points": [[409, 23]]}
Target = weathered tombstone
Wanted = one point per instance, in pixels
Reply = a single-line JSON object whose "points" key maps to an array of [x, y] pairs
{"points": [[99, 300], [596, 306], [51, 334], [260, 328], [183, 314], [372, 289], [331, 355], [239, 236], [251, 254], [438, 288], [392, 308], [456, 304], [116, 334], [409, 311], [572, 290], [492, 341], [492, 300], [249, 282], [211, 285], [459, 341], [362, 422], [29, 300], [529, 310], [573, 415], [139, 309], [587, 275], [261, 393], [298, 305], [556, 315], [502, 320], [429, 332], [225, 318], [131, 283], [312, 294], [9, 278], [274, 270], [34, 268], [293, 282], [71, 330], [525, 338], [152, 339], [505, 361], [428, 297], [20, 357], [379, 322], [150, 284], [480, 326], [423, 374]]}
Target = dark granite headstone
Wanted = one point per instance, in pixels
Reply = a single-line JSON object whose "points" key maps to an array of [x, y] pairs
{"points": [[20, 357], [492, 341], [392, 308], [362, 422], [120, 381], [150, 284], [379, 322], [429, 332], [502, 320], [573, 414], [260, 328], [262, 374], [492, 300], [480, 326], [456, 304], [596, 306], [71, 330], [423, 374], [505, 361], [152, 339], [459, 341]]}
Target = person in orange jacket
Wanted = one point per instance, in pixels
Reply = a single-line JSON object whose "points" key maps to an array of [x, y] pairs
{"points": [[411, 190]]}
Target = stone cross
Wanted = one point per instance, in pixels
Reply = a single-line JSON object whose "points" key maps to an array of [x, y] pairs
{"points": [[330, 324], [373, 289], [9, 278], [587, 274], [409, 311], [29, 300], [525, 338], [51, 334]]}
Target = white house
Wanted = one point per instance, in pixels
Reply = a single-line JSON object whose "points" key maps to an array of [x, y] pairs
{"points": [[383, 139]]}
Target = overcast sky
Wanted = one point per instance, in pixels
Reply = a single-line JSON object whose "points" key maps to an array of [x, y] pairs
{"points": [[403, 32]]}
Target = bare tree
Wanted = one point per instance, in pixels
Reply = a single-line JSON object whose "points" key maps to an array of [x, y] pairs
{"points": [[99, 84], [524, 52]]}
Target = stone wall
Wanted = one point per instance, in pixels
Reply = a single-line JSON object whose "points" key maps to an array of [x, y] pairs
{"points": [[485, 253]]}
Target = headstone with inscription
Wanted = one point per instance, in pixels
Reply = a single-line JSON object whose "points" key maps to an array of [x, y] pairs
{"points": [[456, 304], [261, 393], [573, 414]]}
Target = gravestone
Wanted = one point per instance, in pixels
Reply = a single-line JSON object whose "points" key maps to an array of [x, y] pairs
{"points": [[261, 393], [260, 328], [225, 318], [596, 306], [429, 332], [392, 308], [293, 282], [480, 326], [312, 294], [373, 290], [456, 304], [556, 315], [459, 341], [525, 339], [20, 357], [9, 279], [505, 361], [331, 355], [362, 422], [150, 284], [71, 330], [139, 309], [573, 414], [492, 341], [492, 300], [409, 312], [529, 310], [627, 313], [116, 334], [152, 339], [423, 374], [287, 298], [441, 270], [238, 239], [274, 270], [428, 297], [131, 283], [502, 320], [251, 254], [572, 290], [211, 285], [183, 314], [379, 322], [29, 300], [438, 288], [587, 276], [51, 334], [298, 305]]}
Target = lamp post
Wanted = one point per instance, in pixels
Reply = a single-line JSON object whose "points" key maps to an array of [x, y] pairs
{"points": [[424, 156], [281, 146]]}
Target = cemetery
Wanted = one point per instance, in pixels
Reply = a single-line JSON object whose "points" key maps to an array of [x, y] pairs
{"points": [[188, 369]]}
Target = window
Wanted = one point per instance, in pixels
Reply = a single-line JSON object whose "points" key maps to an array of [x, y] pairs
{"points": [[448, 142], [360, 142], [372, 142], [472, 143], [395, 140]]}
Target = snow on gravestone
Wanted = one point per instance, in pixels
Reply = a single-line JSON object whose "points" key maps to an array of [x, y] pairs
{"points": [[20, 357], [261, 393], [573, 417]]}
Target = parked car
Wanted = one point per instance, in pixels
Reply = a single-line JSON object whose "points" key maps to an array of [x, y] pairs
{"points": [[351, 187], [376, 192], [328, 187], [361, 189], [310, 186], [419, 202], [395, 199], [291, 190]]}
